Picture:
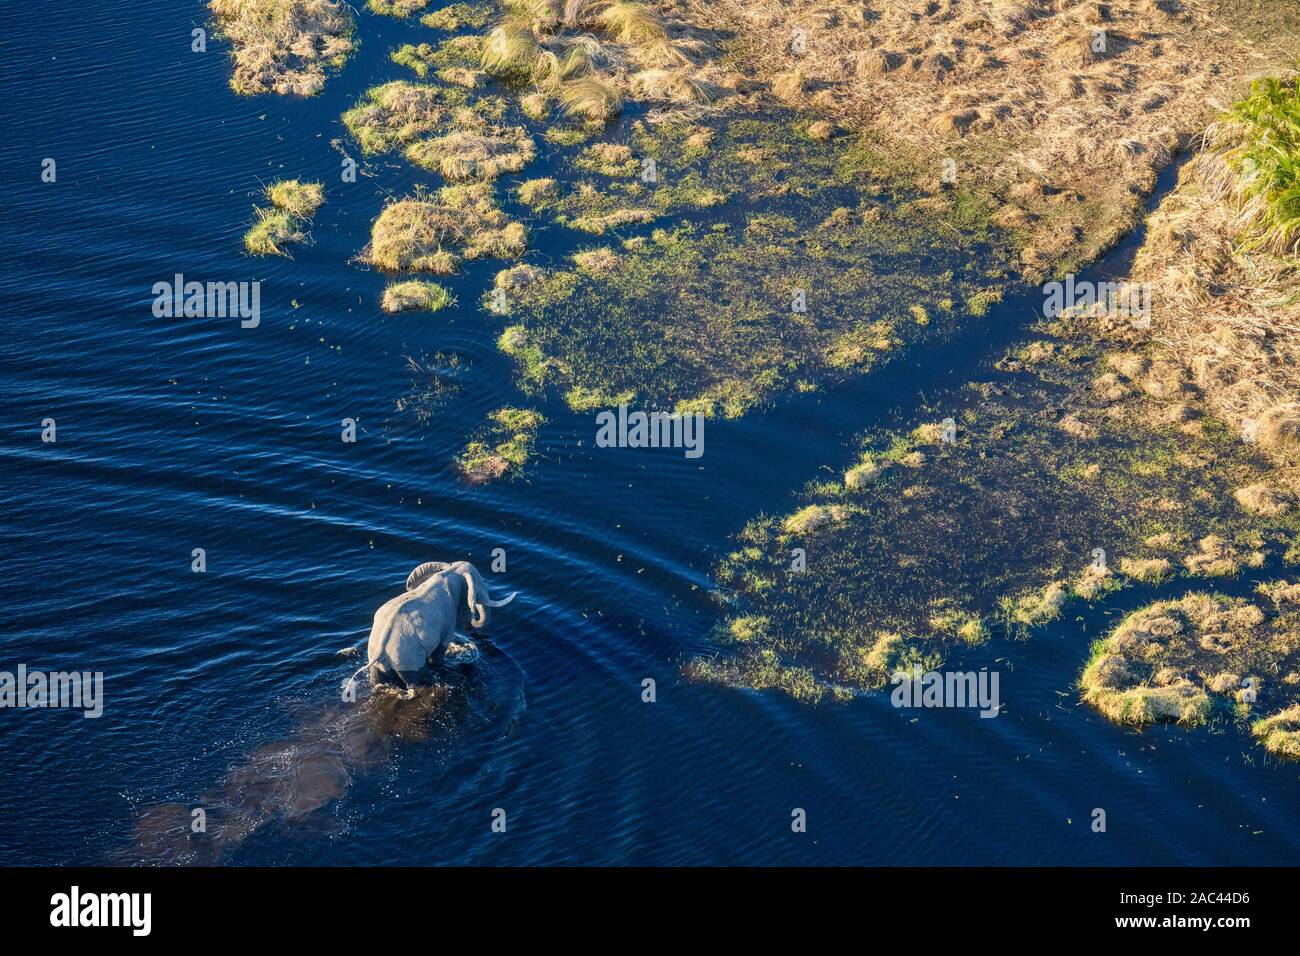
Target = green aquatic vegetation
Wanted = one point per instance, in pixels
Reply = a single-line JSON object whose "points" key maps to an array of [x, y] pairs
{"points": [[532, 364], [273, 230], [538, 193], [599, 224], [454, 53], [474, 150], [434, 382], [528, 283], [296, 197], [1267, 159], [396, 113], [416, 294], [502, 447], [293, 204], [571, 134], [1280, 732], [999, 517], [1038, 606], [596, 260], [980, 302], [432, 232], [458, 15], [396, 8], [608, 159], [762, 297], [960, 625], [763, 670], [736, 329]]}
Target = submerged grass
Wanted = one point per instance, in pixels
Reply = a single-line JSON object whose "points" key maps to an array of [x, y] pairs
{"points": [[718, 315], [998, 521]]}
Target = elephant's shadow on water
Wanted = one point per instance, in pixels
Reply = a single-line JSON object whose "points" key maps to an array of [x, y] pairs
{"points": [[289, 783]]}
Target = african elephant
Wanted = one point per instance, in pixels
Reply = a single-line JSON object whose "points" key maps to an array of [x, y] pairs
{"points": [[412, 631]]}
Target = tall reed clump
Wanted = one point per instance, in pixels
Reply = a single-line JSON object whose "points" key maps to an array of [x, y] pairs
{"points": [[416, 294], [395, 113], [433, 232], [284, 46], [1267, 161], [440, 128], [293, 204], [579, 52]]}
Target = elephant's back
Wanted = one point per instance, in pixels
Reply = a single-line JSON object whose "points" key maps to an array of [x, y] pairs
{"points": [[387, 627]]}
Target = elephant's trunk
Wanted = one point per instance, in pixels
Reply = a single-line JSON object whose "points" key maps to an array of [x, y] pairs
{"points": [[473, 588]]}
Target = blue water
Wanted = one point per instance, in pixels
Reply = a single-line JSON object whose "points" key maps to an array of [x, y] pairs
{"points": [[222, 688]]}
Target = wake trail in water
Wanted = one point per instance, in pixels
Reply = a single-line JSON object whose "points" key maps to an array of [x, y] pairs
{"points": [[295, 781]]}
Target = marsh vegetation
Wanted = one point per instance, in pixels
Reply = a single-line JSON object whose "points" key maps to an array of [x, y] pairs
{"points": [[433, 232], [720, 250], [789, 259], [284, 46], [293, 203], [926, 541], [502, 446], [1184, 660], [1061, 112]]}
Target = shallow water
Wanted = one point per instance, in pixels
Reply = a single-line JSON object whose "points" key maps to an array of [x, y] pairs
{"points": [[222, 688]]}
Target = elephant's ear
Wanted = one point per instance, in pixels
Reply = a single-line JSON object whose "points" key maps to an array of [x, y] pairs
{"points": [[424, 572]]}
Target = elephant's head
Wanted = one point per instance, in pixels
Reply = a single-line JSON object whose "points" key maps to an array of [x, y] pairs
{"points": [[477, 601], [424, 572]]}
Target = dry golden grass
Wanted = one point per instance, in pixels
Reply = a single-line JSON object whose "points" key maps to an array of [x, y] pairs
{"points": [[272, 231], [431, 233], [284, 46], [592, 54], [395, 113], [293, 203], [1280, 733], [1067, 138], [475, 152], [1228, 311], [415, 294], [296, 197], [1167, 661]]}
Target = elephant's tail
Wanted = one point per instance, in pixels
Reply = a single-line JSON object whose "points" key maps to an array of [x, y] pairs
{"points": [[351, 683]]}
